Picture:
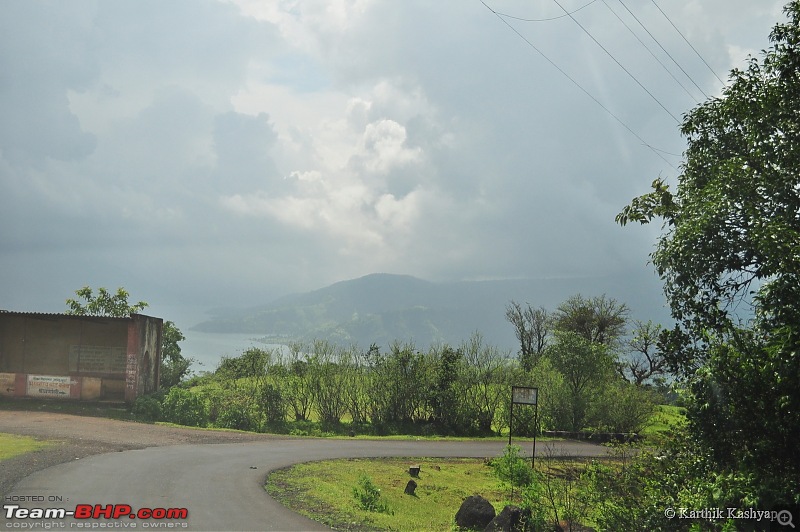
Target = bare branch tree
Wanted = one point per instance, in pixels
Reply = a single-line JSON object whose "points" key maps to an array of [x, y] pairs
{"points": [[532, 328]]}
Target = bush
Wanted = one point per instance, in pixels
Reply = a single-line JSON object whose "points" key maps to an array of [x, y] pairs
{"points": [[147, 408], [624, 407], [368, 496], [238, 414], [512, 468], [273, 404], [183, 407]]}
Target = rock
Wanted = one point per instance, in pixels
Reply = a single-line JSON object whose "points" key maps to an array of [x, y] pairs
{"points": [[475, 512], [413, 471], [509, 520], [410, 487]]}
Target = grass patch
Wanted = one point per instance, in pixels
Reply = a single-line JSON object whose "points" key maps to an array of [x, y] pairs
{"points": [[323, 491], [664, 419], [12, 445]]}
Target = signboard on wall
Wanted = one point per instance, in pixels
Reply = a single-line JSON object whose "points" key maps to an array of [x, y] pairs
{"points": [[96, 359], [48, 386], [8, 383]]}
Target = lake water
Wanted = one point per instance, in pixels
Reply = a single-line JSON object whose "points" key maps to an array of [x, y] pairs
{"points": [[208, 348]]}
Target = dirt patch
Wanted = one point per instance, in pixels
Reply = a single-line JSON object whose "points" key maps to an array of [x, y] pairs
{"points": [[80, 436]]}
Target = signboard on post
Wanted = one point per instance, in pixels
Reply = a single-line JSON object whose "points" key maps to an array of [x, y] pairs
{"points": [[522, 395]]}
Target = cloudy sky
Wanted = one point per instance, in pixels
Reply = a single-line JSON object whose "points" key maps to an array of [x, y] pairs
{"points": [[224, 153]]}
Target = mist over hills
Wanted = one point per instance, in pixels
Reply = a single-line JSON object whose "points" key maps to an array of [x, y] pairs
{"points": [[382, 308]]}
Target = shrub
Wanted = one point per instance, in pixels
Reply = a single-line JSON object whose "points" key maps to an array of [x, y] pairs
{"points": [[368, 496], [238, 414], [147, 408], [183, 407], [273, 404], [624, 407], [511, 467]]}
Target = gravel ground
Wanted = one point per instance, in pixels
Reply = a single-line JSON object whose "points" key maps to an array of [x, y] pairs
{"points": [[77, 437]]}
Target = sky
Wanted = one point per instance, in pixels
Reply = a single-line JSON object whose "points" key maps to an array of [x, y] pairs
{"points": [[224, 153]]}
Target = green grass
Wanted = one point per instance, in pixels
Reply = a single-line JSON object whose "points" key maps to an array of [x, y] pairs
{"points": [[665, 418], [12, 445], [323, 491]]}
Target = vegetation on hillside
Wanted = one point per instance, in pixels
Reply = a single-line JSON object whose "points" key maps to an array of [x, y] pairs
{"points": [[446, 390]]}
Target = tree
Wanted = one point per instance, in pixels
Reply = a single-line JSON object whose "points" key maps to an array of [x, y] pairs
{"points": [[174, 366], [732, 235], [586, 367], [103, 304], [598, 320], [645, 361], [532, 328]]}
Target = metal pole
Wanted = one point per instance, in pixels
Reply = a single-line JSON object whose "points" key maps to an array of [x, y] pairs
{"points": [[535, 427], [510, 430], [511, 419]]}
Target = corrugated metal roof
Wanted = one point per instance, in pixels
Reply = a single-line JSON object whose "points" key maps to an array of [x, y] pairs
{"points": [[68, 316]]}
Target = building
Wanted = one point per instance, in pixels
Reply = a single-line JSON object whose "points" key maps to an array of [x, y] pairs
{"points": [[79, 357]]}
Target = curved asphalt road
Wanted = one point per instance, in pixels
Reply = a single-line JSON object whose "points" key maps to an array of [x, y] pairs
{"points": [[220, 484]]}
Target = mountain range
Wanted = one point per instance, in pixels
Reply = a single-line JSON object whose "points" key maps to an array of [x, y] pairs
{"points": [[382, 308]]}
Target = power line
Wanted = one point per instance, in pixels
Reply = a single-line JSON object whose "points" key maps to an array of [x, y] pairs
{"points": [[618, 63], [687, 42], [664, 49], [668, 71], [574, 82], [542, 19]]}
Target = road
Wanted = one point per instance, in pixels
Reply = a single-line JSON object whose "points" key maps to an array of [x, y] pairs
{"points": [[221, 485]]}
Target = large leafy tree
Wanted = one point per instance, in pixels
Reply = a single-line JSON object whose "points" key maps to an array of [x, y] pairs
{"points": [[731, 244]]}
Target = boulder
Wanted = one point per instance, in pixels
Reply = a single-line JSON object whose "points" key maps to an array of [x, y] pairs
{"points": [[475, 513], [509, 520]]}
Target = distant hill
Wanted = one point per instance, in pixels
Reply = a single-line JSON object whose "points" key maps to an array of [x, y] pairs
{"points": [[382, 308]]}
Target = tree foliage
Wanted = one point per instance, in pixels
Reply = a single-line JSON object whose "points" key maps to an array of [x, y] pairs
{"points": [[104, 303], [586, 366], [732, 240], [599, 320], [174, 366]]}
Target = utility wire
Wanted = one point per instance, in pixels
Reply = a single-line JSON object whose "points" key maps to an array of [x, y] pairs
{"points": [[574, 82], [687, 42], [664, 49], [618, 63], [668, 71], [542, 19]]}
